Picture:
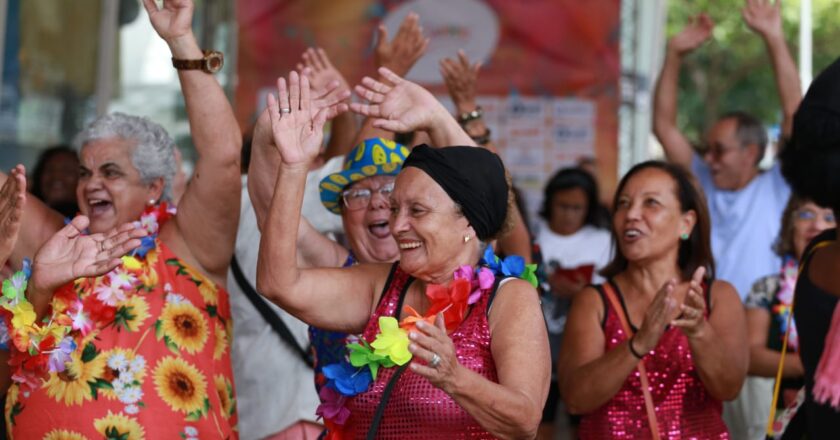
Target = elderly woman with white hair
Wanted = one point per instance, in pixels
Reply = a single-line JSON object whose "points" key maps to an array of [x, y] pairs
{"points": [[143, 350]]}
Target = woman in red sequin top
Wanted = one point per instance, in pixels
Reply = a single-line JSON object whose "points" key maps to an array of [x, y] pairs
{"points": [[683, 332], [488, 376]]}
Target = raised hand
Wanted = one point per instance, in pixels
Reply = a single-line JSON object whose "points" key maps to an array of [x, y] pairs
{"points": [[69, 254], [173, 20], [322, 74], [401, 107], [763, 17], [12, 199], [692, 320], [696, 32], [406, 48], [461, 77], [659, 314], [297, 130]]}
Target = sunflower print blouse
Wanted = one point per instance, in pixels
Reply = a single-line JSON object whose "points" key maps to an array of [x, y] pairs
{"points": [[158, 369]]}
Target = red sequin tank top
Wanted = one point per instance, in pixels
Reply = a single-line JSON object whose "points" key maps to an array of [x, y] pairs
{"points": [[417, 409], [684, 409]]}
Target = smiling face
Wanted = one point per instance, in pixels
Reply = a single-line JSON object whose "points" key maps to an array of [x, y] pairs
{"points": [[731, 164], [367, 228], [648, 218], [58, 180], [429, 228], [110, 191]]}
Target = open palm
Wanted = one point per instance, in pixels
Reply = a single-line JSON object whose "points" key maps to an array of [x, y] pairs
{"points": [[69, 254], [696, 32], [400, 108], [297, 131], [173, 20], [12, 199], [763, 16]]}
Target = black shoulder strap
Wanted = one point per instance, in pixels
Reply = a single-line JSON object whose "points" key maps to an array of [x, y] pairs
{"points": [[380, 409], [268, 314]]}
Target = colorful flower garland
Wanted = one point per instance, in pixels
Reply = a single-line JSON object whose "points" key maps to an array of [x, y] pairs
{"points": [[390, 346], [45, 347]]}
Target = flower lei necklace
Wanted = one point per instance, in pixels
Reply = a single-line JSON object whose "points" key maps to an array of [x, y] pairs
{"points": [[45, 347], [390, 346]]}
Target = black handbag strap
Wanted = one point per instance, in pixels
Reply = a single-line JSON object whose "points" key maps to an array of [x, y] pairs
{"points": [[380, 409], [269, 315]]}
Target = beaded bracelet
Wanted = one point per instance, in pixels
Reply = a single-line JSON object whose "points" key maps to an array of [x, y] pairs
{"points": [[482, 139]]}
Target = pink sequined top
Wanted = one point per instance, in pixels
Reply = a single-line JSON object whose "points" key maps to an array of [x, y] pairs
{"points": [[684, 409], [417, 409]]}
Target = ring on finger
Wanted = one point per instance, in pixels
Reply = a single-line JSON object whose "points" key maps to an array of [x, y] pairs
{"points": [[285, 110], [435, 361]]}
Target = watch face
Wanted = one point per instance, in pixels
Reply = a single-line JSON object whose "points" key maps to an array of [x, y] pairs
{"points": [[213, 62]]}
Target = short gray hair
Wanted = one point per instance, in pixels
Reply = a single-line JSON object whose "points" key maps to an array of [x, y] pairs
{"points": [[154, 150]]}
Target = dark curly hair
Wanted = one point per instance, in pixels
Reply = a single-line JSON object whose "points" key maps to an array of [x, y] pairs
{"points": [[811, 159]]}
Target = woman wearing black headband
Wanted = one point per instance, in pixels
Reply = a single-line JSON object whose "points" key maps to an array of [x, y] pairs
{"points": [[453, 364]]}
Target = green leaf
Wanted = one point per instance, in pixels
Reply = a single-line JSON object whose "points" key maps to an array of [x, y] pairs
{"points": [[158, 329], [89, 353], [211, 310], [16, 409], [171, 345]]}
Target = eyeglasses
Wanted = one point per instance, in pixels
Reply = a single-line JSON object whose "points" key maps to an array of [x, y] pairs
{"points": [[359, 198], [808, 215]]}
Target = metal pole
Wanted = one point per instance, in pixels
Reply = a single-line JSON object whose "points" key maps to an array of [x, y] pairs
{"points": [[806, 72], [4, 9], [108, 25]]}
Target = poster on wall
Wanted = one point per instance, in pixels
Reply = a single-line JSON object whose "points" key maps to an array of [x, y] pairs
{"points": [[548, 84]]}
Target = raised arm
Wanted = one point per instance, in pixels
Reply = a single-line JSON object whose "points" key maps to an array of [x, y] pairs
{"points": [[677, 148], [38, 221], [399, 56], [322, 75], [314, 249], [208, 213], [405, 106], [764, 18], [308, 294], [461, 78], [12, 202]]}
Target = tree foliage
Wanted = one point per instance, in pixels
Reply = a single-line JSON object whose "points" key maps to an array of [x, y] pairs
{"points": [[733, 70]]}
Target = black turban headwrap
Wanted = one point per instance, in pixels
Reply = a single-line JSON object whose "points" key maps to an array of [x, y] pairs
{"points": [[811, 159], [473, 177]]}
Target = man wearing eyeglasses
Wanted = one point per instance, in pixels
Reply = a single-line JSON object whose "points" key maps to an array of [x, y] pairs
{"points": [[745, 203]]}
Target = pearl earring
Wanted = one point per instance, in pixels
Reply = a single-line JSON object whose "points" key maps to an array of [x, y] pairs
{"points": [[466, 238]]}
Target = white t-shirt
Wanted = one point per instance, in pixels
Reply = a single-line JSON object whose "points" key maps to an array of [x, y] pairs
{"points": [[589, 245], [274, 387], [745, 224]]}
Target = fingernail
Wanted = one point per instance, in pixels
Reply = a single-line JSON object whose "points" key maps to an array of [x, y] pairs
{"points": [[412, 335]]}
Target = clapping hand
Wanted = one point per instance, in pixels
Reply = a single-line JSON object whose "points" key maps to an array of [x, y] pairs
{"points": [[763, 17], [69, 254], [12, 199], [402, 107], [407, 47], [695, 33], [692, 320], [661, 311]]}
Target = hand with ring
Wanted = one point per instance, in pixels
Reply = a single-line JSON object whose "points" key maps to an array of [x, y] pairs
{"points": [[434, 354]]}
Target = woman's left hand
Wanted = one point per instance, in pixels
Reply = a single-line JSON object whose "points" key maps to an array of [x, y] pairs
{"points": [[434, 354], [692, 321]]}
